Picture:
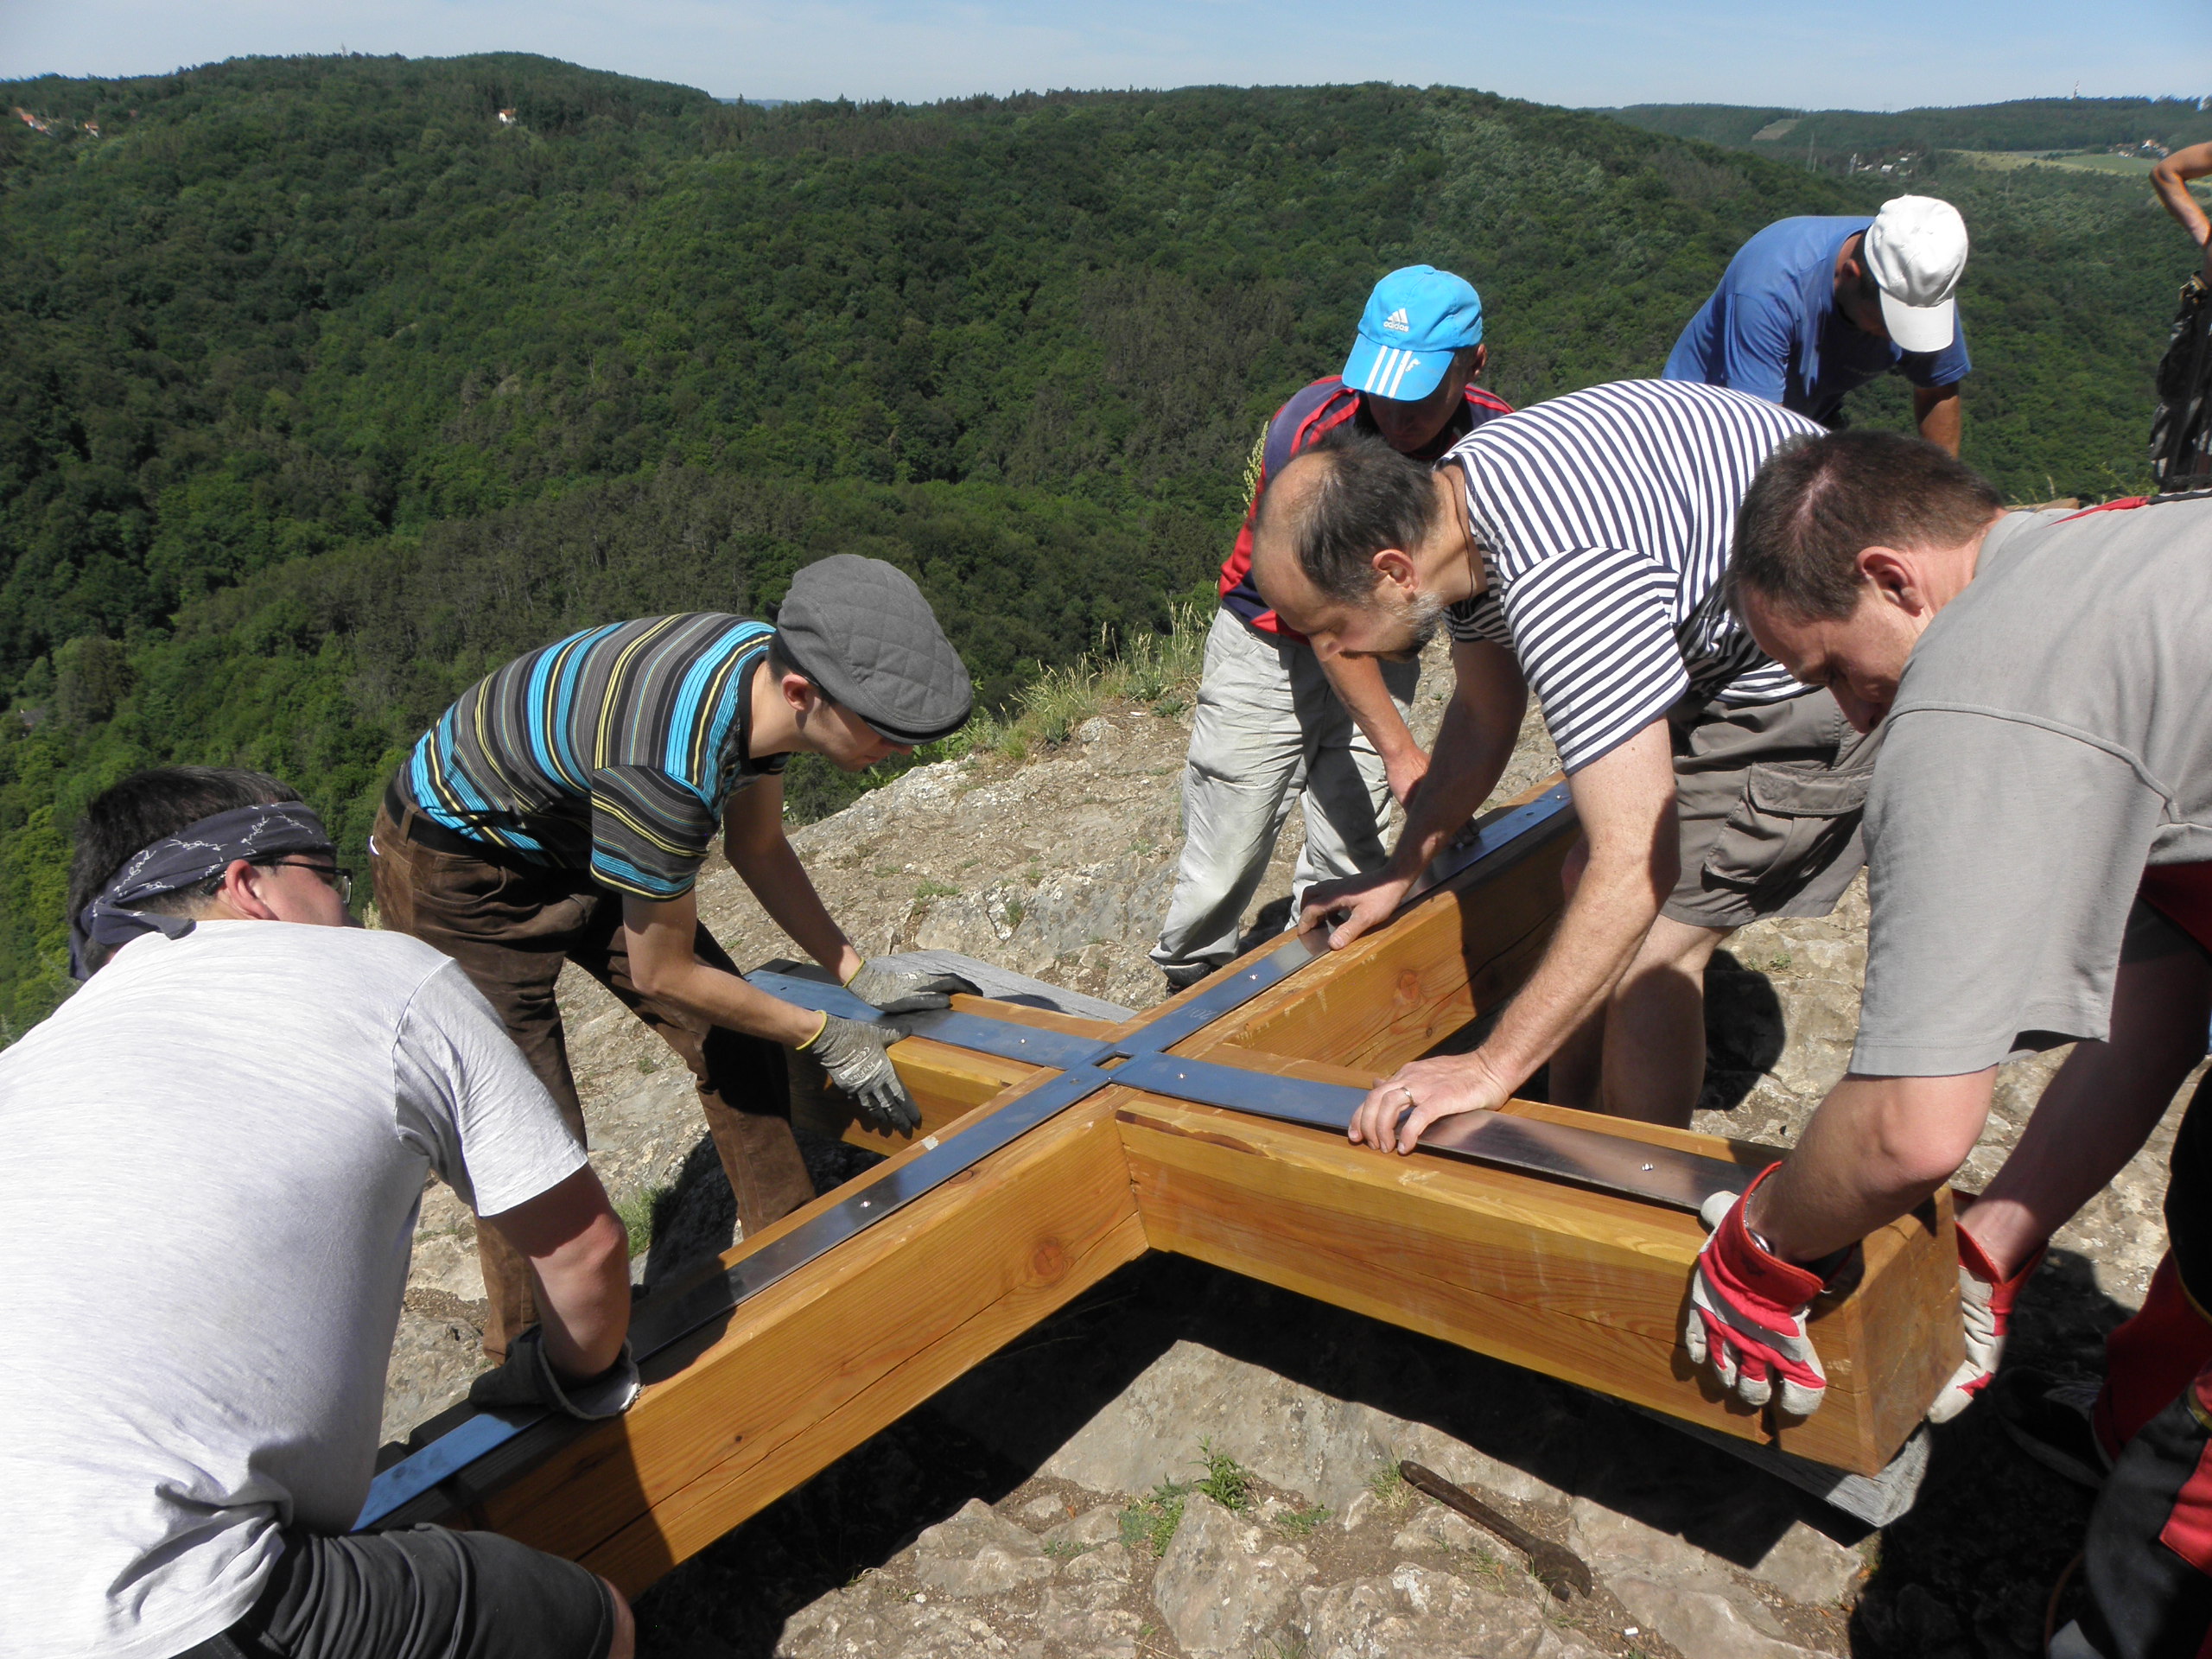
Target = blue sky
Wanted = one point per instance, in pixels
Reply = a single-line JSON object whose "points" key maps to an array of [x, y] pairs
{"points": [[1883, 54]]}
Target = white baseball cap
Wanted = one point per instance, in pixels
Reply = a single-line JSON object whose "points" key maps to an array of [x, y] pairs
{"points": [[1916, 251]]}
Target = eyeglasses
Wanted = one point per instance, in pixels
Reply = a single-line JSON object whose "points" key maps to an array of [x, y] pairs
{"points": [[338, 882]]}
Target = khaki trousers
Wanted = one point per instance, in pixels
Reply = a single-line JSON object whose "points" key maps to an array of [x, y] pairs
{"points": [[511, 926]]}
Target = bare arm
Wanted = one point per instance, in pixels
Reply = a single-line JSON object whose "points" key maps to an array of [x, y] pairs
{"points": [[1875, 1149], [1626, 802], [664, 965], [1936, 410], [2170, 178], [1472, 746], [753, 839], [1358, 681], [579, 1252]]}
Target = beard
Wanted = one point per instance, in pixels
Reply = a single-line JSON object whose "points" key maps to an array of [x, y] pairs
{"points": [[1415, 621]]}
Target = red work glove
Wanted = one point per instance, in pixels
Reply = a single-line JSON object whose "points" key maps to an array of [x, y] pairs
{"points": [[1986, 1304], [1747, 1314]]}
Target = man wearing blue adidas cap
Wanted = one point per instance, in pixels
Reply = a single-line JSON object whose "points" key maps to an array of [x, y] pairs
{"points": [[1272, 719]]}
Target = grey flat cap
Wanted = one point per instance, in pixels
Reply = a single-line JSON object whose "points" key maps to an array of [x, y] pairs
{"points": [[860, 630]]}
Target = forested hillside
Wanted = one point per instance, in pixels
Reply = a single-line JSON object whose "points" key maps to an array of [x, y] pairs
{"points": [[2027, 123], [323, 389]]}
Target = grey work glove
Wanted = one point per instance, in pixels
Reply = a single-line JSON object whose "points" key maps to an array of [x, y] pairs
{"points": [[904, 990], [528, 1379], [853, 1054]]}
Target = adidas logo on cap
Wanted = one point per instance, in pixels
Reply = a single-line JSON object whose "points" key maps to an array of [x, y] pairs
{"points": [[1397, 323]]}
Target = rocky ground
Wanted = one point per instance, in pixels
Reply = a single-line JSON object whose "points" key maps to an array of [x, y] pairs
{"points": [[1186, 1463]]}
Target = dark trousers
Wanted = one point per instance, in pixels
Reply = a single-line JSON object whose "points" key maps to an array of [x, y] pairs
{"points": [[2148, 1559], [511, 927]]}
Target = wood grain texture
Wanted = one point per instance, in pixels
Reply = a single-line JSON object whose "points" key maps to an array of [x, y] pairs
{"points": [[807, 1368], [1583, 1285], [944, 1081], [1393, 995]]}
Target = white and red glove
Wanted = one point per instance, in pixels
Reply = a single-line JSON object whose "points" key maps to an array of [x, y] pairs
{"points": [[1986, 1304], [1747, 1314]]}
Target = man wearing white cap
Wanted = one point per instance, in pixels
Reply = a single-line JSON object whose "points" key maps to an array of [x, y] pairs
{"points": [[1272, 719], [1811, 308]]}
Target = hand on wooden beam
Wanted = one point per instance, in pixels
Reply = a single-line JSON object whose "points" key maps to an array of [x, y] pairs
{"points": [[1344, 909], [903, 990], [1398, 1109], [1747, 1314], [853, 1054]]}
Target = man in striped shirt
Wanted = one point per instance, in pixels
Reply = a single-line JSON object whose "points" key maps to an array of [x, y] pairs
{"points": [[559, 810], [1274, 721], [1577, 548]]}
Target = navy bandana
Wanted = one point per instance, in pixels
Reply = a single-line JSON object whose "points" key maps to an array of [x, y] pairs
{"points": [[195, 853]]}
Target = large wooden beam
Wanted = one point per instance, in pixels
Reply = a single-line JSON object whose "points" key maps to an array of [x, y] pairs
{"points": [[1458, 952], [807, 1369], [1584, 1286], [1580, 1285]]}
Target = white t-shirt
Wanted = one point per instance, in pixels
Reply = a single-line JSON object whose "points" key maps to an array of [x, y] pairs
{"points": [[214, 1155]]}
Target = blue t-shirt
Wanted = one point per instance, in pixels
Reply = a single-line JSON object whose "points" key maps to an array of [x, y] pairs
{"points": [[1772, 329]]}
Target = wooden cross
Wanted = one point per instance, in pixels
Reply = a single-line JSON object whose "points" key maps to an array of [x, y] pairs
{"points": [[1584, 1286]]}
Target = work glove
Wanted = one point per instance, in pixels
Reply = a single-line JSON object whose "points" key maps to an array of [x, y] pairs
{"points": [[853, 1054], [528, 1379], [1747, 1314], [1985, 1306], [905, 990]]}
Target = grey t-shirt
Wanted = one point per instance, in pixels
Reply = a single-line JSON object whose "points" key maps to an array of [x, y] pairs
{"points": [[2052, 735], [215, 1154]]}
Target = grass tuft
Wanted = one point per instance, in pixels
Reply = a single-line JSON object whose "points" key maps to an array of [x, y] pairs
{"points": [[1150, 1522], [1302, 1523], [1159, 670], [1393, 1497], [1226, 1481], [638, 1212]]}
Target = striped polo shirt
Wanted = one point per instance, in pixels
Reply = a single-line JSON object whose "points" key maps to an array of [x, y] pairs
{"points": [[613, 750], [1604, 519]]}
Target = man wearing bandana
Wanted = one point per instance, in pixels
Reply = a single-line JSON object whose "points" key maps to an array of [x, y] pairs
{"points": [[217, 1152]]}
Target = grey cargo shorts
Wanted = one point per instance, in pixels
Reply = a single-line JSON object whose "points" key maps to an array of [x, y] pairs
{"points": [[1769, 801]]}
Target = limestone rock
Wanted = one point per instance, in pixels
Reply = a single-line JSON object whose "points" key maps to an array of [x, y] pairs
{"points": [[1107, 1561], [1435, 1527], [1417, 1613], [1100, 1526], [1808, 1567], [1694, 1615], [858, 1623], [979, 1553], [1085, 1620], [1291, 1436], [1220, 1587]]}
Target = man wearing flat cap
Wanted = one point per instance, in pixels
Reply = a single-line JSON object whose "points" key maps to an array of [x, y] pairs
{"points": [[559, 812]]}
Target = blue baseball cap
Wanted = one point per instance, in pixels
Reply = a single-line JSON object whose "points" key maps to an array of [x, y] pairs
{"points": [[1415, 320]]}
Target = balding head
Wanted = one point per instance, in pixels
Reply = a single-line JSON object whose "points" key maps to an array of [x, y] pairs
{"points": [[1337, 545]]}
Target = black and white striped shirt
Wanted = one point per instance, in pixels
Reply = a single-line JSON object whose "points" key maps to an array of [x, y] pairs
{"points": [[1605, 518]]}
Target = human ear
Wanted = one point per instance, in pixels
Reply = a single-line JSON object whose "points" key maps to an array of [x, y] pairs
{"points": [[799, 691], [1894, 578], [1396, 568], [242, 892]]}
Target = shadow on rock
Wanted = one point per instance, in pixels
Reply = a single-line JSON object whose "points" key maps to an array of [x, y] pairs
{"points": [[1744, 1031], [1969, 1573]]}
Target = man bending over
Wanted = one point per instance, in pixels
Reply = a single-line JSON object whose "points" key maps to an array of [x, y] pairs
{"points": [[1577, 548], [2039, 836], [561, 809], [216, 1154]]}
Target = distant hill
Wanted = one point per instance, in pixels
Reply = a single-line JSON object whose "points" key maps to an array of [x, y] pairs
{"points": [[327, 384], [1831, 137]]}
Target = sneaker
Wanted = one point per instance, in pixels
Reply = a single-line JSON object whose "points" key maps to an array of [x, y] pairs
{"points": [[1183, 975], [2049, 1420]]}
